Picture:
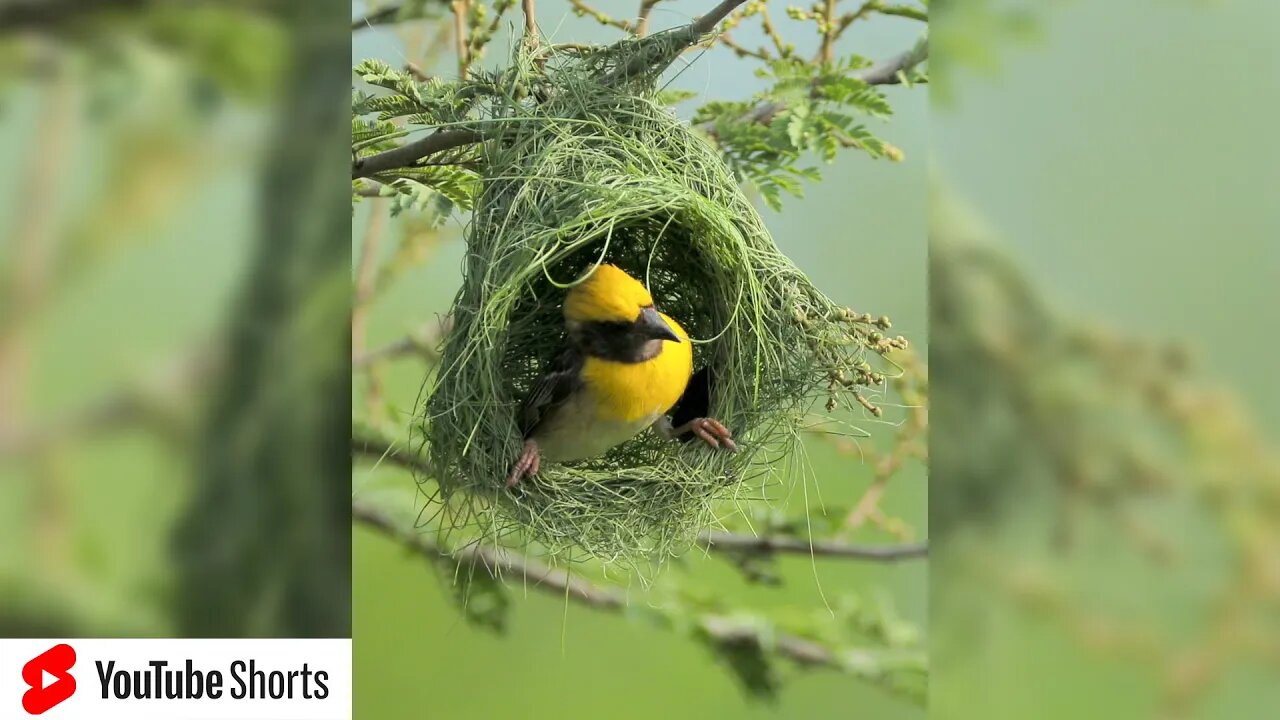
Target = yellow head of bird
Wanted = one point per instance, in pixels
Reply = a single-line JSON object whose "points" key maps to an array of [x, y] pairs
{"points": [[607, 295]]}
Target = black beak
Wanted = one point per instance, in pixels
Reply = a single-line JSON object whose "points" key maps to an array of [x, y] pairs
{"points": [[652, 325]]}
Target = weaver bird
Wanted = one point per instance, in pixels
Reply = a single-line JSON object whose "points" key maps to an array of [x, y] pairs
{"points": [[627, 365]]}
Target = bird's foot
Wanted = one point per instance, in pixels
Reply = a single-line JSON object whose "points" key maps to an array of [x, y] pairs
{"points": [[709, 431], [527, 464]]}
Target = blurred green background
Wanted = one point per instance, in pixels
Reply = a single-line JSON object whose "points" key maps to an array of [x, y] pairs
{"points": [[1122, 153], [860, 235], [1120, 158], [147, 236], [139, 197]]}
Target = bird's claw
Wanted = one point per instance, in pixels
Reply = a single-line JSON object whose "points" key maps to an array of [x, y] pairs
{"points": [[527, 464], [713, 433]]}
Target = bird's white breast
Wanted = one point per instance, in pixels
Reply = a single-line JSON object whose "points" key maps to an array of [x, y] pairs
{"points": [[578, 430]]}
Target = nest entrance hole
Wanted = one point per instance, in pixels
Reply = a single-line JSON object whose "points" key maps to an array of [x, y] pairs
{"points": [[658, 251]]}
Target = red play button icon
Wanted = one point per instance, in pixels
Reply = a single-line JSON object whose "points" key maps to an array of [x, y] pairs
{"points": [[49, 677]]}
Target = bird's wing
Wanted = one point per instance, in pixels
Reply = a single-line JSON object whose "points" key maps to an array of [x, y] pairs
{"points": [[696, 400], [561, 378]]}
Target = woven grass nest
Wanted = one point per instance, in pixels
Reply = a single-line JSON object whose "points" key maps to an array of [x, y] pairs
{"points": [[602, 172]]}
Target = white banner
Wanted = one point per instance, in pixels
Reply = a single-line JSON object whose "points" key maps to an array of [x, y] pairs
{"points": [[175, 679]]}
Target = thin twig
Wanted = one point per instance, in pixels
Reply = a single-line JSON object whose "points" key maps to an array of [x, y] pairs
{"points": [[418, 73], [421, 343], [867, 505], [828, 52], [400, 348], [530, 19], [148, 398], [819, 548], [369, 188], [891, 71], [642, 18], [580, 8], [769, 29], [366, 273], [849, 19], [740, 50], [36, 249], [905, 11], [727, 631], [366, 277], [369, 444], [459, 9], [381, 16], [34, 242]]}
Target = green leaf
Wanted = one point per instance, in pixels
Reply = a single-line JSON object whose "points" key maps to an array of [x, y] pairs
{"points": [[480, 596], [673, 97], [798, 125], [743, 654]]}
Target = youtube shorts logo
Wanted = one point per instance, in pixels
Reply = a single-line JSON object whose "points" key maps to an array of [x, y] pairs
{"points": [[175, 679], [48, 678]]}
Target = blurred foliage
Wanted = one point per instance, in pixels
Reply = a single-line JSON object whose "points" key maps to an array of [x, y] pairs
{"points": [[1048, 398], [1094, 453], [812, 108], [973, 36], [258, 551], [231, 50], [129, 121], [1107, 505]]}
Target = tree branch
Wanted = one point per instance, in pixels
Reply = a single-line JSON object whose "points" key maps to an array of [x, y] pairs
{"points": [[890, 71], [409, 153], [381, 16], [418, 73], [497, 561], [722, 630], [886, 73], [709, 22], [154, 397], [58, 14], [822, 548], [407, 345], [422, 342], [656, 58], [370, 444]]}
